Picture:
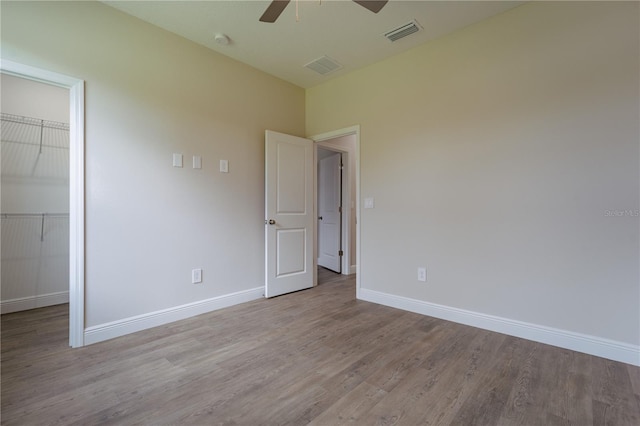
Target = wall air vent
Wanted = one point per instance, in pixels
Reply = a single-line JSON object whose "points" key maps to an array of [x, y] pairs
{"points": [[323, 65], [403, 31]]}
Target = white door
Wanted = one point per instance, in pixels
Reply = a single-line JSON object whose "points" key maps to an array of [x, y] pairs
{"points": [[289, 216], [329, 212]]}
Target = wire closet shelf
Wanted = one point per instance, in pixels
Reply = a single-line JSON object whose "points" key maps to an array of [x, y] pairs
{"points": [[34, 148]]}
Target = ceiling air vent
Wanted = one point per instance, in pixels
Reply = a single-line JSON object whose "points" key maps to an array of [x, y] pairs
{"points": [[403, 31], [323, 65]]}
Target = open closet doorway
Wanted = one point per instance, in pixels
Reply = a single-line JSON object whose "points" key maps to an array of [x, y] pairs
{"points": [[34, 125], [50, 132], [337, 188]]}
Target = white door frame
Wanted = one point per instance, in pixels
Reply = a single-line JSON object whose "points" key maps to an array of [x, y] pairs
{"points": [[322, 141], [76, 186]]}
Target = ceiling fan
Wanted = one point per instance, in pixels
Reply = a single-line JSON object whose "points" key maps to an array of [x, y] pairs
{"points": [[277, 6]]}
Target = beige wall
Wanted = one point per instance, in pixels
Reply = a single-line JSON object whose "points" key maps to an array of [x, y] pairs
{"points": [[499, 157], [149, 94], [33, 99]]}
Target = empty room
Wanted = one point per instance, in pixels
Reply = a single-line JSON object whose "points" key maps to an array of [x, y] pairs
{"points": [[320, 212]]}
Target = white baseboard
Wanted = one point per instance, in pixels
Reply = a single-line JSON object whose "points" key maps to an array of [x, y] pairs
{"points": [[32, 302], [617, 351], [353, 269], [119, 328]]}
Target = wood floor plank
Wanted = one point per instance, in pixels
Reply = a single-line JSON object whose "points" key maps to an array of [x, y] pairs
{"points": [[611, 403], [634, 377], [553, 374], [351, 407], [405, 361], [316, 357], [521, 405], [577, 396], [409, 401], [485, 405], [477, 367]]}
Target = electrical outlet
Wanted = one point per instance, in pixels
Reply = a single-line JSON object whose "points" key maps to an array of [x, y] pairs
{"points": [[196, 276], [422, 274]]}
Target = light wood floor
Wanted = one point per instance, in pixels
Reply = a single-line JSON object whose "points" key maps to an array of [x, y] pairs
{"points": [[317, 356]]}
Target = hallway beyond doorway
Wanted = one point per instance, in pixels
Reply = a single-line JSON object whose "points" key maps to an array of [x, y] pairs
{"points": [[326, 276]]}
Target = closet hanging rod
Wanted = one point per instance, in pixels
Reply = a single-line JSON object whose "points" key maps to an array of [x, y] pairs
{"points": [[41, 216], [31, 121], [47, 145], [8, 215]]}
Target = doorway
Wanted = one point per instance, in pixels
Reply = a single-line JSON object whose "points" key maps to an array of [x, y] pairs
{"points": [[35, 194], [346, 142], [330, 204], [76, 186]]}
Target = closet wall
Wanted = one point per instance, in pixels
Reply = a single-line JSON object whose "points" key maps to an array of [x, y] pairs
{"points": [[34, 194]]}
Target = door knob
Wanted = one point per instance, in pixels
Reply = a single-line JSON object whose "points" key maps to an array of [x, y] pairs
{"points": [[272, 222], [320, 218]]}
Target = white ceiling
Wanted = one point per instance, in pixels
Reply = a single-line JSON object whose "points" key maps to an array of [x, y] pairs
{"points": [[340, 29]]}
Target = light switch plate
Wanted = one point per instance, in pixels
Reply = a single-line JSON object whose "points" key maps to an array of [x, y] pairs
{"points": [[177, 160], [197, 162], [368, 203], [196, 276], [422, 274], [224, 166]]}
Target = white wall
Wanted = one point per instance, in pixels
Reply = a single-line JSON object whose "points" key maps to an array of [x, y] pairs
{"points": [[495, 155], [35, 255], [150, 93]]}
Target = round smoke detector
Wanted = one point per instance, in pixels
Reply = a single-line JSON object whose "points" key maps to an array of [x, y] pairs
{"points": [[221, 39]]}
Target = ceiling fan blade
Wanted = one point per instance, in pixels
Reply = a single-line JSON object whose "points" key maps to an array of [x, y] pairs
{"points": [[373, 5], [274, 10]]}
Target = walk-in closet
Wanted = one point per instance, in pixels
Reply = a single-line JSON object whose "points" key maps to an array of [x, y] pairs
{"points": [[35, 194]]}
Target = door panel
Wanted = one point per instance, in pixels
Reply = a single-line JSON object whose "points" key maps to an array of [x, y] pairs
{"points": [[292, 243], [290, 179], [289, 214], [329, 215]]}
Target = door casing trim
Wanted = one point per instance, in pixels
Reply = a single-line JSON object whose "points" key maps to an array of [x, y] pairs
{"points": [[76, 186]]}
